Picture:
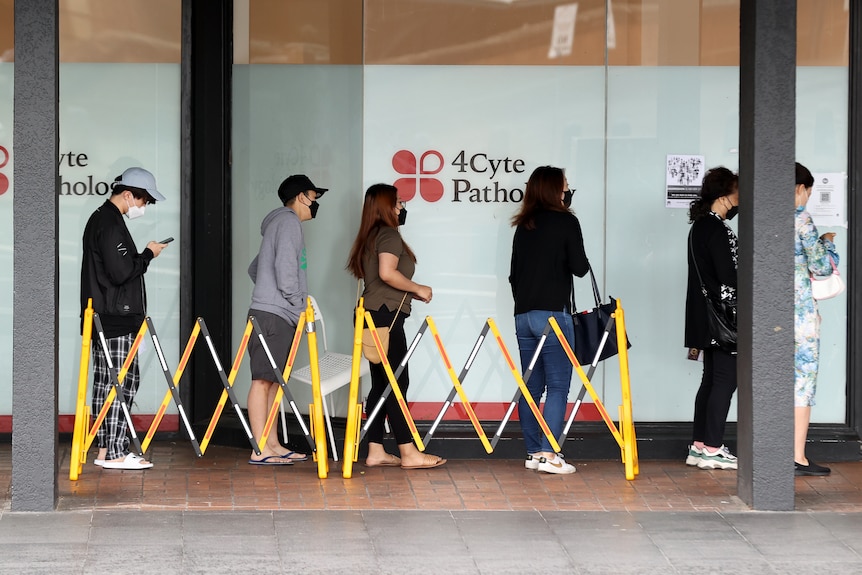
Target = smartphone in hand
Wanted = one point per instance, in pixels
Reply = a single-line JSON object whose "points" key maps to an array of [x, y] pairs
{"points": [[166, 241]]}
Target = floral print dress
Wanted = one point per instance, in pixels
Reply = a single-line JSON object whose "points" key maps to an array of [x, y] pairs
{"points": [[812, 256]]}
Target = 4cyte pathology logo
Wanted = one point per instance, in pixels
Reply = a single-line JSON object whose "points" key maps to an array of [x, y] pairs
{"points": [[4, 180], [480, 178], [431, 189]]}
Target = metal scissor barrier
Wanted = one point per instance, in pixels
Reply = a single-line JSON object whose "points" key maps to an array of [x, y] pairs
{"points": [[393, 387], [84, 434], [625, 435]]}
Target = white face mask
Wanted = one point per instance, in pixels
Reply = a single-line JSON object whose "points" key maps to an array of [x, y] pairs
{"points": [[135, 211]]}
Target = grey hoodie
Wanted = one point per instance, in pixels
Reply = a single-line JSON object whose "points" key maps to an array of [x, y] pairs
{"points": [[279, 270]]}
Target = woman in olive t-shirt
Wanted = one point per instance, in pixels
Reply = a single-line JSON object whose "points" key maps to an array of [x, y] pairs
{"points": [[386, 263]]}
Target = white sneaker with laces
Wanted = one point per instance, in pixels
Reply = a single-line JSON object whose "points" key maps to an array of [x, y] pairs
{"points": [[556, 465], [532, 462]]}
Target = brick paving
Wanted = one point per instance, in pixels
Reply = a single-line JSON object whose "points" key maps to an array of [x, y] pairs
{"points": [[223, 480]]}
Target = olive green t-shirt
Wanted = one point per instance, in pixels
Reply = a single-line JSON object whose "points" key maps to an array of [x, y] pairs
{"points": [[377, 292]]}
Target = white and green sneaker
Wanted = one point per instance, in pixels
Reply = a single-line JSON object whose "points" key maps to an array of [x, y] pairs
{"points": [[694, 455], [720, 459]]}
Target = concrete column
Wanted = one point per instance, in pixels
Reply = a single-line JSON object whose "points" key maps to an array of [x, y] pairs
{"points": [[36, 271], [767, 134]]}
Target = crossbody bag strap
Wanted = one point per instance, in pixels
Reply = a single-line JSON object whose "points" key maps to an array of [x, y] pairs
{"points": [[696, 268], [398, 310]]}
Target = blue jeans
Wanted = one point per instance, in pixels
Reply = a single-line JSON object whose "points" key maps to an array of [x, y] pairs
{"points": [[552, 375]]}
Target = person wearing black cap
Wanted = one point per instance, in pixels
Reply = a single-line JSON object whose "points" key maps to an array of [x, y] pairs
{"points": [[112, 275], [279, 297]]}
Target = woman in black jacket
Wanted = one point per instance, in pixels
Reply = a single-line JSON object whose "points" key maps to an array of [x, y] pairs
{"points": [[713, 253], [547, 249]]}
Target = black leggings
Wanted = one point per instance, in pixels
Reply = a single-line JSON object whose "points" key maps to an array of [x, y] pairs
{"points": [[379, 381], [713, 398]]}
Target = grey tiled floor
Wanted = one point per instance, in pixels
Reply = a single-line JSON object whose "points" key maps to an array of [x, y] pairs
{"points": [[434, 542]]}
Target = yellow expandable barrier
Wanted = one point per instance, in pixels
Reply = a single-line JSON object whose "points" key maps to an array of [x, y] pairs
{"points": [[78, 455], [522, 390], [393, 384], [354, 407]]}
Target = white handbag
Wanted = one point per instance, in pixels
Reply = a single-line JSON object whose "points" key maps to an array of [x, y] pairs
{"points": [[829, 286]]}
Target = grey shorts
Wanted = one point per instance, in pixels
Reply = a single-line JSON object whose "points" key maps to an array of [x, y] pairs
{"points": [[278, 334]]}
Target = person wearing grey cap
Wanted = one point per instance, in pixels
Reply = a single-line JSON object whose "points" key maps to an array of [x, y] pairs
{"points": [[279, 297], [112, 275]]}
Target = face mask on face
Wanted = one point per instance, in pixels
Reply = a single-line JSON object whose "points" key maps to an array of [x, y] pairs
{"points": [[731, 213], [567, 198], [135, 211], [402, 217], [313, 207]]}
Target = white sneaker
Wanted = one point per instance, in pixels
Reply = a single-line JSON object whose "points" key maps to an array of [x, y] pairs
{"points": [[695, 454], [720, 459], [532, 462], [99, 462], [555, 465]]}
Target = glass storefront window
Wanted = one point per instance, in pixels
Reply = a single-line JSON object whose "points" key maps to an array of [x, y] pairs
{"points": [[481, 93], [119, 107], [297, 109], [7, 69]]}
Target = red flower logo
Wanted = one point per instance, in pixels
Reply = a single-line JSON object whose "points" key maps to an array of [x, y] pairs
{"points": [[404, 162], [4, 181]]}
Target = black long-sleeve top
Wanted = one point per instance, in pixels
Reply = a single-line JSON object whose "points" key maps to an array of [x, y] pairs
{"points": [[713, 243], [544, 260], [112, 272]]}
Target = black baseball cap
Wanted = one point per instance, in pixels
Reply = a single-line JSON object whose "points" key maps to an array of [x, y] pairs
{"points": [[297, 184]]}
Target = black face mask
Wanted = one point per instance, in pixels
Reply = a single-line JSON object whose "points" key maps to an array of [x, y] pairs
{"points": [[731, 213], [402, 217], [314, 206], [567, 198]]}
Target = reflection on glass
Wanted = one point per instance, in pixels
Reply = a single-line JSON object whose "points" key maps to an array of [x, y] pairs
{"points": [[120, 31], [484, 32]]}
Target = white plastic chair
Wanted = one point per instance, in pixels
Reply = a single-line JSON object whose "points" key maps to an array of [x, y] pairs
{"points": [[334, 374]]}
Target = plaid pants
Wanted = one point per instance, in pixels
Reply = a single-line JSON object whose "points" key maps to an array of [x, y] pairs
{"points": [[112, 433]]}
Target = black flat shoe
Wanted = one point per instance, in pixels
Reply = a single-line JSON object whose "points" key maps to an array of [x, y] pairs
{"points": [[811, 469]]}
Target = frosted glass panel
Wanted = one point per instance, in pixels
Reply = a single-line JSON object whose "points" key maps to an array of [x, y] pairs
{"points": [[298, 120], [101, 135], [7, 71]]}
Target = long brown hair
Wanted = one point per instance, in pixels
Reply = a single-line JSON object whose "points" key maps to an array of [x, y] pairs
{"points": [[378, 211], [543, 193]]}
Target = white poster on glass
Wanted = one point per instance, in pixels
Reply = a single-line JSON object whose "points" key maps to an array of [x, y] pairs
{"points": [[683, 176], [826, 204]]}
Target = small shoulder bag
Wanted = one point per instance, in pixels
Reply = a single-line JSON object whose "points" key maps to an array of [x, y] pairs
{"points": [[720, 314]]}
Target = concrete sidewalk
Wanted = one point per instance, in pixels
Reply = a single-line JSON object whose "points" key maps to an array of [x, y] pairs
{"points": [[432, 542], [218, 514]]}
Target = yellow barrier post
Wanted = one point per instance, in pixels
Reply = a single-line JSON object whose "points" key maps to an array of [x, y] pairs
{"points": [[393, 382], [316, 407], [456, 381], [354, 408], [82, 415], [627, 425], [522, 387]]}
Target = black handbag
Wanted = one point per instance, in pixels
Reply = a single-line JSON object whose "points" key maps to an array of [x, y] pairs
{"points": [[720, 314], [590, 327]]}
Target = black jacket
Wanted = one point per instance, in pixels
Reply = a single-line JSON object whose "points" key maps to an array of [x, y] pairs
{"points": [[112, 273], [544, 260], [714, 246]]}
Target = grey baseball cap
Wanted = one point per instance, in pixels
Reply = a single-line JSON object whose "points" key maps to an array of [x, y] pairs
{"points": [[141, 178]]}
